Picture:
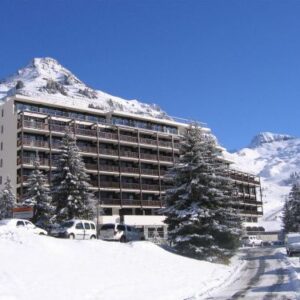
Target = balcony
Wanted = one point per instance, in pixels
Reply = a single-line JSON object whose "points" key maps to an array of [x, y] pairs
{"points": [[166, 158], [131, 202], [151, 203], [109, 168], [31, 160], [148, 156], [110, 184], [59, 128], [165, 144], [108, 201], [128, 138], [108, 135], [86, 132], [105, 151], [153, 172], [150, 187], [93, 167], [33, 143], [148, 141], [88, 149], [129, 154], [130, 185], [35, 125], [22, 179], [130, 170]]}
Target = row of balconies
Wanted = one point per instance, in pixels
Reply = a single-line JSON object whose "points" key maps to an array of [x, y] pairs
{"points": [[129, 202], [101, 134], [243, 177], [103, 151]]}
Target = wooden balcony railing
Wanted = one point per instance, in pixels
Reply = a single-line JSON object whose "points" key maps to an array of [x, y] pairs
{"points": [[35, 125], [148, 141], [151, 203], [131, 202], [130, 170], [128, 138], [30, 161], [165, 144], [166, 158], [59, 128], [130, 185], [110, 184], [149, 172], [150, 187], [87, 149], [148, 156], [108, 152], [108, 135], [109, 168], [33, 143], [86, 132], [108, 201], [129, 154]]}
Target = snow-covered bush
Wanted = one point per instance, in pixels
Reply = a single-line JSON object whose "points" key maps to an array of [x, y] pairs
{"points": [[7, 200]]}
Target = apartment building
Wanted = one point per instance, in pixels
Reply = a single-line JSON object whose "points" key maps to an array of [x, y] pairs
{"points": [[126, 157]]}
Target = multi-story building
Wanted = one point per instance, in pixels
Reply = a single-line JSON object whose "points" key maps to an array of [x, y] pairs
{"points": [[126, 156]]}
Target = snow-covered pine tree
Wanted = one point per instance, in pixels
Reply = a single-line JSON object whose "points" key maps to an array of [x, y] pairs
{"points": [[39, 196], [70, 195], [291, 210], [199, 209], [7, 200]]}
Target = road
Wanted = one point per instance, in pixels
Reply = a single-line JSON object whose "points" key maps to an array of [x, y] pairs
{"points": [[266, 275]]}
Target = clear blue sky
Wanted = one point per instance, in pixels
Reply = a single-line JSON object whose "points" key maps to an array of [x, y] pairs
{"points": [[234, 65]]}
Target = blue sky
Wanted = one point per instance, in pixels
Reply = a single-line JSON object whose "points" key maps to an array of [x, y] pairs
{"points": [[234, 65]]}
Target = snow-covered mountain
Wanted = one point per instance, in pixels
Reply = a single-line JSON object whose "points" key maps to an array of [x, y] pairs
{"points": [[276, 158], [46, 79]]}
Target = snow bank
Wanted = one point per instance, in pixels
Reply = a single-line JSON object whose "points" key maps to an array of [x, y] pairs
{"points": [[40, 267]]}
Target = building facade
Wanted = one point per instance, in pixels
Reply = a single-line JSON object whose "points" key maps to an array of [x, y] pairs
{"points": [[125, 155]]}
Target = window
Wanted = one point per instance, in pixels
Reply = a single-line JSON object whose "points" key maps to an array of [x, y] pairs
{"points": [[20, 223], [79, 226], [2, 128], [86, 226], [1, 146], [121, 227], [2, 112], [0, 179], [93, 226], [1, 163]]}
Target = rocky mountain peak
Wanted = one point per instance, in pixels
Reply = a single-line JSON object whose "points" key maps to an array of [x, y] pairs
{"points": [[268, 137]]}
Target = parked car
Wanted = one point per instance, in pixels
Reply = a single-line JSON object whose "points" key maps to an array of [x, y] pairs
{"points": [[21, 223], [292, 243], [120, 232], [251, 240], [75, 229]]}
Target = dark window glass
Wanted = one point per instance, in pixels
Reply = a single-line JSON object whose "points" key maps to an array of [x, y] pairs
{"points": [[79, 226], [20, 223], [87, 226], [108, 226], [93, 226], [121, 227]]}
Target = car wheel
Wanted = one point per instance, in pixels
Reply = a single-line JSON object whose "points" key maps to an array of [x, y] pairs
{"points": [[123, 239], [71, 236], [93, 237]]}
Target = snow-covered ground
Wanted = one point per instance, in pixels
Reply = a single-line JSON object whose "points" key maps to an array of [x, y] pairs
{"points": [[274, 157], [36, 267]]}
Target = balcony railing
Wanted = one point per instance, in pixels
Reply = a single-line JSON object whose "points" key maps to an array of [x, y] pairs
{"points": [[130, 185], [148, 141], [150, 187], [108, 201], [86, 132], [109, 184], [59, 128], [31, 160], [129, 154], [149, 172], [109, 168], [148, 156], [108, 151], [87, 149], [91, 166], [165, 144], [108, 135], [131, 202], [128, 138], [33, 143], [166, 158], [23, 179], [151, 203], [130, 170], [35, 125]]}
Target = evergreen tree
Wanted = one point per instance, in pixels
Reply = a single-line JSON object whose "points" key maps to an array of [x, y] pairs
{"points": [[38, 196], [202, 223], [70, 195], [291, 210], [7, 200]]}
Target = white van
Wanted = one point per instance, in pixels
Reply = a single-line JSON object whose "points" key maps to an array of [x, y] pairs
{"points": [[22, 224], [119, 232], [75, 229]]}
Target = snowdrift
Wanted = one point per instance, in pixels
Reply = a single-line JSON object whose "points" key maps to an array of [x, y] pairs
{"points": [[36, 267]]}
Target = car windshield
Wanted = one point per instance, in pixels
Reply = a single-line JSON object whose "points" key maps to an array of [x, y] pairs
{"points": [[108, 226], [293, 239], [67, 224]]}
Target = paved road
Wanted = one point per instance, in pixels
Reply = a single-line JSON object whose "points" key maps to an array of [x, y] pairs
{"points": [[265, 276]]}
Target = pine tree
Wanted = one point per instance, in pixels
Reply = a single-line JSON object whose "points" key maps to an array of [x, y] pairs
{"points": [[291, 210], [39, 196], [7, 200], [202, 223], [70, 195]]}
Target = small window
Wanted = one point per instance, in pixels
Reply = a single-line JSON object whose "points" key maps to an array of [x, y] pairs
{"points": [[1, 146], [121, 228], [2, 128], [2, 112], [93, 226], [79, 226], [87, 226], [1, 163], [19, 223], [129, 228], [0, 179]]}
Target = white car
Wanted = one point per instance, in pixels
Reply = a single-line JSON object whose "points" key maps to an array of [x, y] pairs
{"points": [[120, 232], [292, 243], [251, 240], [75, 229], [21, 223]]}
